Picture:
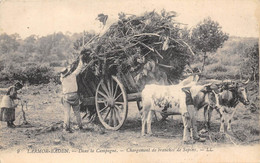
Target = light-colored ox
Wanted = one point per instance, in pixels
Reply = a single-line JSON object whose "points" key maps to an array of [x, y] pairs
{"points": [[156, 97]]}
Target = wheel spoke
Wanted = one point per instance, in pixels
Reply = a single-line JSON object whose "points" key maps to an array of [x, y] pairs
{"points": [[118, 96], [114, 118], [112, 88], [102, 101], [120, 103], [104, 88], [115, 90], [107, 114], [99, 92], [109, 87], [118, 108], [117, 112], [103, 109], [110, 118]]}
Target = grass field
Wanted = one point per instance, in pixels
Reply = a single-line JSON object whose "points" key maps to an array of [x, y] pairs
{"points": [[45, 114]]}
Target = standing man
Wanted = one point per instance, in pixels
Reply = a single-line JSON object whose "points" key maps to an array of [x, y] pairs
{"points": [[70, 97]]}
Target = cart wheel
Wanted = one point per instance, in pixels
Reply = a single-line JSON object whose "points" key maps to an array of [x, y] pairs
{"points": [[111, 103]]}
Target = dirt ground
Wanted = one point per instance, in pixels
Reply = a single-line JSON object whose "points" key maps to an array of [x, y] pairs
{"points": [[45, 115]]}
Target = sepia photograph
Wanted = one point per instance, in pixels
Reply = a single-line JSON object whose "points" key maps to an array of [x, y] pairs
{"points": [[129, 81]]}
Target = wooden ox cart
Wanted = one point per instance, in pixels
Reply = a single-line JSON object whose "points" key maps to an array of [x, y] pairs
{"points": [[109, 97]]}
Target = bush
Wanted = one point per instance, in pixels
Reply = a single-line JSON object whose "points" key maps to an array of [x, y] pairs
{"points": [[34, 74], [219, 68], [38, 74], [56, 64], [218, 71]]}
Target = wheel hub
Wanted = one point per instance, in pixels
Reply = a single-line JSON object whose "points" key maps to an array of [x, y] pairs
{"points": [[111, 102]]}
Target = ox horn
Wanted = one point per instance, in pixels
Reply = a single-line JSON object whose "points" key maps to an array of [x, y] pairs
{"points": [[246, 81]]}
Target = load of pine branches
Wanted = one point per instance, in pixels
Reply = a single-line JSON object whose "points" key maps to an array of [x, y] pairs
{"points": [[150, 47]]}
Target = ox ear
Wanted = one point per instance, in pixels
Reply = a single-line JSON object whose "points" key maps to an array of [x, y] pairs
{"points": [[186, 89], [232, 86], [186, 81], [225, 86], [206, 88]]}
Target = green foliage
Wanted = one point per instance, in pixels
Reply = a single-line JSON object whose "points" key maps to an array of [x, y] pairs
{"points": [[233, 61], [236, 45], [219, 68], [33, 74], [250, 63], [20, 58], [207, 36], [221, 72], [133, 41], [38, 74], [8, 43], [78, 44], [56, 64]]}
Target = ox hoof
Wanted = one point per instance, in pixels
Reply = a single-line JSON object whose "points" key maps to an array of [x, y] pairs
{"points": [[199, 139], [152, 134], [203, 131], [221, 130], [189, 141]]}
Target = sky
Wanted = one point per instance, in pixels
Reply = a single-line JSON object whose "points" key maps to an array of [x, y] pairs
{"points": [[43, 17]]}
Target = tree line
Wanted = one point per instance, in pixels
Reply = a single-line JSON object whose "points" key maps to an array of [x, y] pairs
{"points": [[18, 57], [34, 49]]}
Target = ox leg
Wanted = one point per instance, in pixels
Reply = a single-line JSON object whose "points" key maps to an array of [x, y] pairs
{"points": [[222, 123], [146, 108], [230, 119], [144, 119], [186, 130], [185, 119], [149, 123], [205, 117], [194, 114], [184, 108], [210, 109]]}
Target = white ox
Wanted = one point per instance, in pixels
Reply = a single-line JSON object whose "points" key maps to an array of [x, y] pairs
{"points": [[156, 97]]}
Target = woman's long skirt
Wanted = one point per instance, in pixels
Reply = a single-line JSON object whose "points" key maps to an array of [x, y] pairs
{"points": [[7, 114]]}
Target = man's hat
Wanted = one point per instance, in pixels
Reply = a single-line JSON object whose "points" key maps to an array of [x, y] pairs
{"points": [[18, 85]]}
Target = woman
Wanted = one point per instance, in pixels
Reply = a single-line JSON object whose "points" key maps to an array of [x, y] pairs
{"points": [[70, 96], [8, 105]]}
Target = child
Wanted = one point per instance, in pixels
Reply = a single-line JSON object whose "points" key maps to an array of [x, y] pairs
{"points": [[8, 106]]}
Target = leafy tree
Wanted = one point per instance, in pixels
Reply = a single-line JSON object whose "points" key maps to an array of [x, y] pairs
{"points": [[53, 47], [61, 45], [79, 42], [29, 44], [207, 37], [250, 63], [8, 43]]}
